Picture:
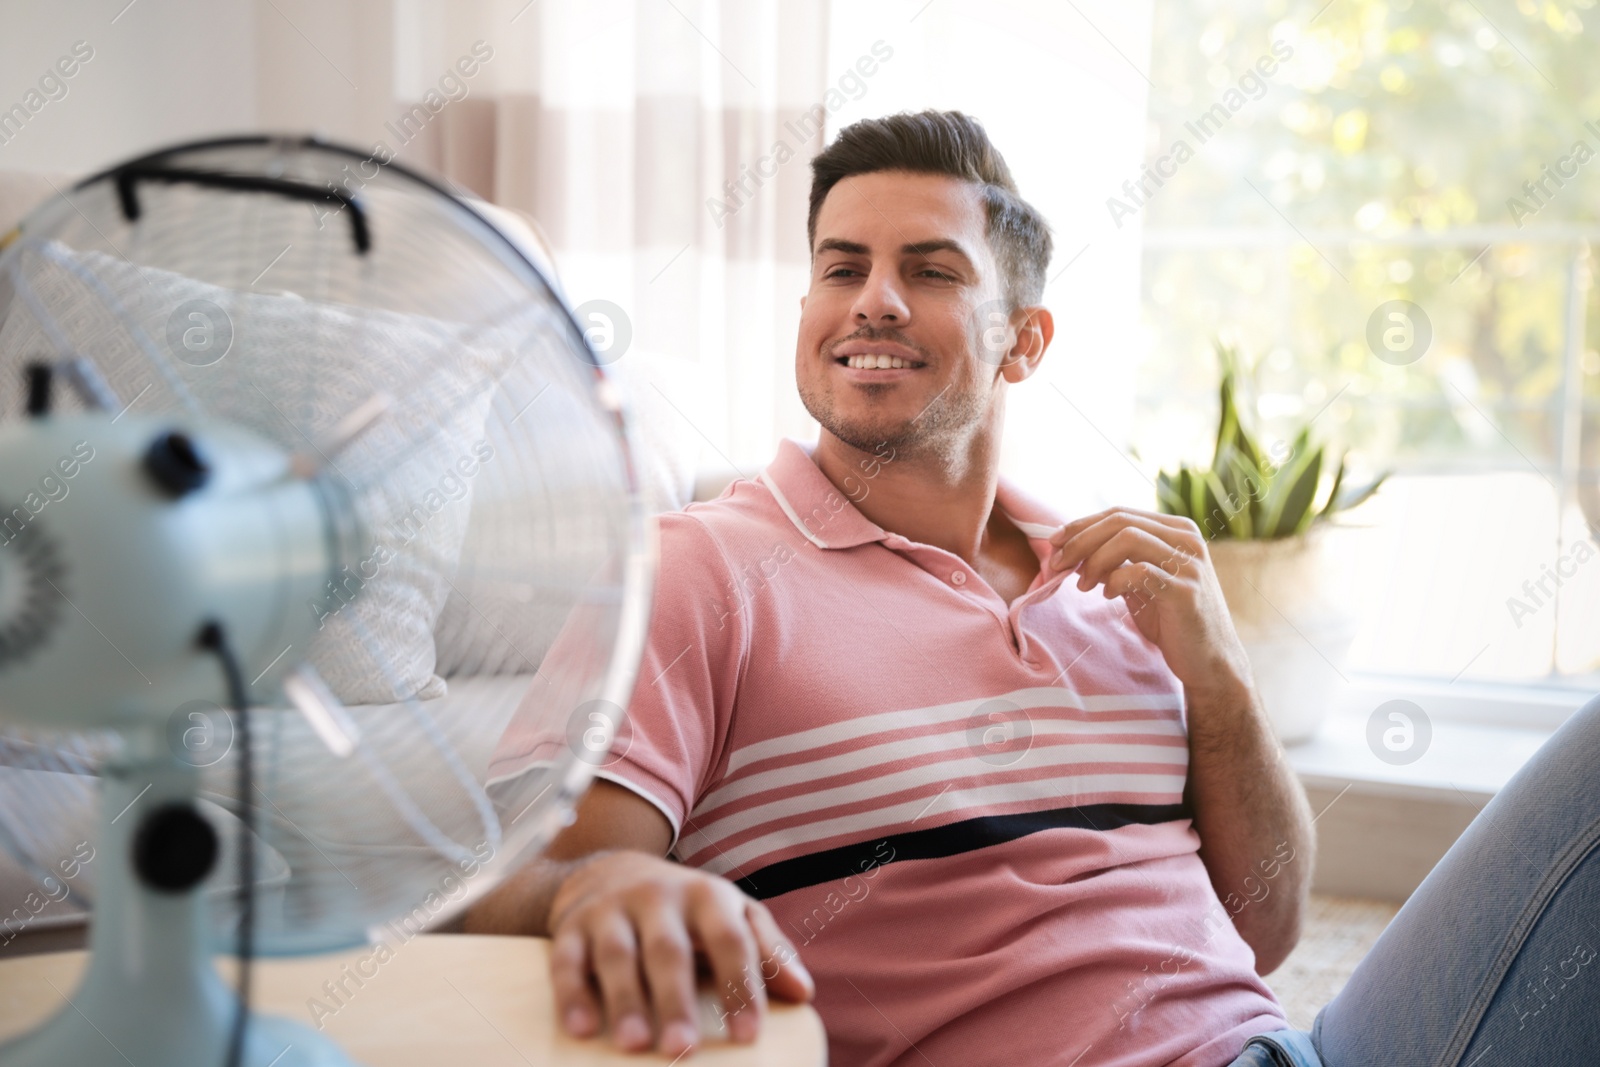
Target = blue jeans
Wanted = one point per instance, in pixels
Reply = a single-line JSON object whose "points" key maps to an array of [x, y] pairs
{"points": [[1495, 959]]}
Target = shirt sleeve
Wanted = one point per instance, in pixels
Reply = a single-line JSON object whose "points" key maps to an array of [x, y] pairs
{"points": [[678, 719]]}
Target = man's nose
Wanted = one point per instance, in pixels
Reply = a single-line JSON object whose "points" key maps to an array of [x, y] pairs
{"points": [[880, 302]]}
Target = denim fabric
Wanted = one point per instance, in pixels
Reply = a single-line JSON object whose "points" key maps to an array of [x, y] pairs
{"points": [[1281, 1048], [1495, 960]]}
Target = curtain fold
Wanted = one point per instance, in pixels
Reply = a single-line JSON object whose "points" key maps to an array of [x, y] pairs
{"points": [[663, 149]]}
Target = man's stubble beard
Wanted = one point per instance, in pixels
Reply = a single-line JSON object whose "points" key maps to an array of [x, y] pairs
{"points": [[941, 431]]}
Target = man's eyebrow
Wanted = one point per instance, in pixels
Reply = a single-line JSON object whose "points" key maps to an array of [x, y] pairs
{"points": [[919, 248], [923, 248]]}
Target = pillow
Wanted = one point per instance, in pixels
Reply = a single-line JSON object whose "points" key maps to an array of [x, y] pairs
{"points": [[511, 599], [291, 369], [662, 394], [664, 397]]}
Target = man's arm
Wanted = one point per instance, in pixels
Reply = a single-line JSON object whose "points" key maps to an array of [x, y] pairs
{"points": [[627, 921], [1249, 809], [608, 818], [1253, 820]]}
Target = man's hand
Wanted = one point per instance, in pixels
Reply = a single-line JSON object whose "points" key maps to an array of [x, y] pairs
{"points": [[633, 925], [1160, 567], [628, 923]]}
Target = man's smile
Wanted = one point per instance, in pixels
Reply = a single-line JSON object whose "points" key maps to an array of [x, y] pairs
{"points": [[875, 360]]}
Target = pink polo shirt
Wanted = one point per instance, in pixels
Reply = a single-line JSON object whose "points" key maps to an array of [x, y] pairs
{"points": [[967, 815]]}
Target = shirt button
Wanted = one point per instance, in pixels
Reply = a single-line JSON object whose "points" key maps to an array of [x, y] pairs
{"points": [[959, 578]]}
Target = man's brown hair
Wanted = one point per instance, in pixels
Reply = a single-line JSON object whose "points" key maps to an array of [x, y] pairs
{"points": [[945, 142]]}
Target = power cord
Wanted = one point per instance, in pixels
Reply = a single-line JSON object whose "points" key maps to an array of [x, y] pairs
{"points": [[215, 639]]}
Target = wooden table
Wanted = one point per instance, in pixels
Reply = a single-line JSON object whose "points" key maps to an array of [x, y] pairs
{"points": [[446, 998]]}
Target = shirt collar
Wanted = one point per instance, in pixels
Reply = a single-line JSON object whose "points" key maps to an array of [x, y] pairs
{"points": [[822, 514], [825, 516]]}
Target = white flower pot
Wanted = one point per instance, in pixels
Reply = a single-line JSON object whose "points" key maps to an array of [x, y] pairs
{"points": [[1296, 621]]}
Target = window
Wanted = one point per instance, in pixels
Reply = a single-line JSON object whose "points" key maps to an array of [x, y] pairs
{"points": [[1390, 209]]}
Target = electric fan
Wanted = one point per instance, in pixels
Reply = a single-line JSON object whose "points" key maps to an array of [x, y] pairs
{"points": [[309, 483]]}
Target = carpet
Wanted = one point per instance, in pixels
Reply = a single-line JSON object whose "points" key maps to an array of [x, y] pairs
{"points": [[1336, 934]]}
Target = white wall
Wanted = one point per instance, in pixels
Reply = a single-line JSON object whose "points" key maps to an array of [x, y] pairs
{"points": [[164, 71], [325, 67], [161, 71]]}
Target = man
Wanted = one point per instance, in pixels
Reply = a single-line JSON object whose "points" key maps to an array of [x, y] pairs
{"points": [[1003, 813]]}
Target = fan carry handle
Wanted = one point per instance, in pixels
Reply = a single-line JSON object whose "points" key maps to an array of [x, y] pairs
{"points": [[127, 179]]}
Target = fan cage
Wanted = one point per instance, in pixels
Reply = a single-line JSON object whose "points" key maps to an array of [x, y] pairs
{"points": [[531, 576]]}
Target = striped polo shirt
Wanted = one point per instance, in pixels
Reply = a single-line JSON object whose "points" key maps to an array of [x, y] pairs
{"points": [[967, 815]]}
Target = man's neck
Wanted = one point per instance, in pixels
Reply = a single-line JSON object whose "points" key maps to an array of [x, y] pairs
{"points": [[944, 500]]}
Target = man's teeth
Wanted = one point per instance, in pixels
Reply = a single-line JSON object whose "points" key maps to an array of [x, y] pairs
{"points": [[877, 361]]}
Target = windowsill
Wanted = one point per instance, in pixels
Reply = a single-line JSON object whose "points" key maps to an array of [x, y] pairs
{"points": [[1462, 758], [1482, 735], [1516, 705], [1380, 827]]}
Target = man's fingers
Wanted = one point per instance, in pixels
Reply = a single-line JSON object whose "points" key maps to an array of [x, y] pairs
{"points": [[668, 958], [1130, 544], [1082, 522], [1078, 540], [576, 1006], [718, 924], [1085, 540], [614, 949], [781, 969], [1138, 583]]}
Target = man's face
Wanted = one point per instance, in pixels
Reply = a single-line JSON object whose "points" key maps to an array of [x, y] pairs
{"points": [[900, 268]]}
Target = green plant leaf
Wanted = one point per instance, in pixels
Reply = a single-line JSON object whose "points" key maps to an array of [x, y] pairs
{"points": [[1209, 495], [1168, 500], [1302, 443], [1227, 420], [1273, 501], [1358, 494], [1221, 523], [1230, 428], [1288, 506], [1184, 485], [1328, 508], [1249, 486], [1225, 471], [1196, 486]]}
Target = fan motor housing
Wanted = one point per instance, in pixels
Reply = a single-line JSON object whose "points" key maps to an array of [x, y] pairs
{"points": [[107, 574]]}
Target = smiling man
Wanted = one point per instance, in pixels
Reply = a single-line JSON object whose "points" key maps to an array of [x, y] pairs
{"points": [[999, 781]]}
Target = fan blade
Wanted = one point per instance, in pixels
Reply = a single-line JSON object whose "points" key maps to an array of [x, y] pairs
{"points": [[307, 691], [339, 438], [357, 422]]}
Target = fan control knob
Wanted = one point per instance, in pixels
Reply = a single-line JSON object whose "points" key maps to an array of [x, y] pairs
{"points": [[174, 849], [175, 464]]}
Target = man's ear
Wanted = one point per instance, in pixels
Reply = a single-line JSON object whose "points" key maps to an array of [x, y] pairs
{"points": [[1034, 332]]}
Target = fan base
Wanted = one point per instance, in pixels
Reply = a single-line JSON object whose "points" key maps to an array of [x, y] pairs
{"points": [[152, 996]]}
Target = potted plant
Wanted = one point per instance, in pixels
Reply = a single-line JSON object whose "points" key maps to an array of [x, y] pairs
{"points": [[1265, 515]]}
